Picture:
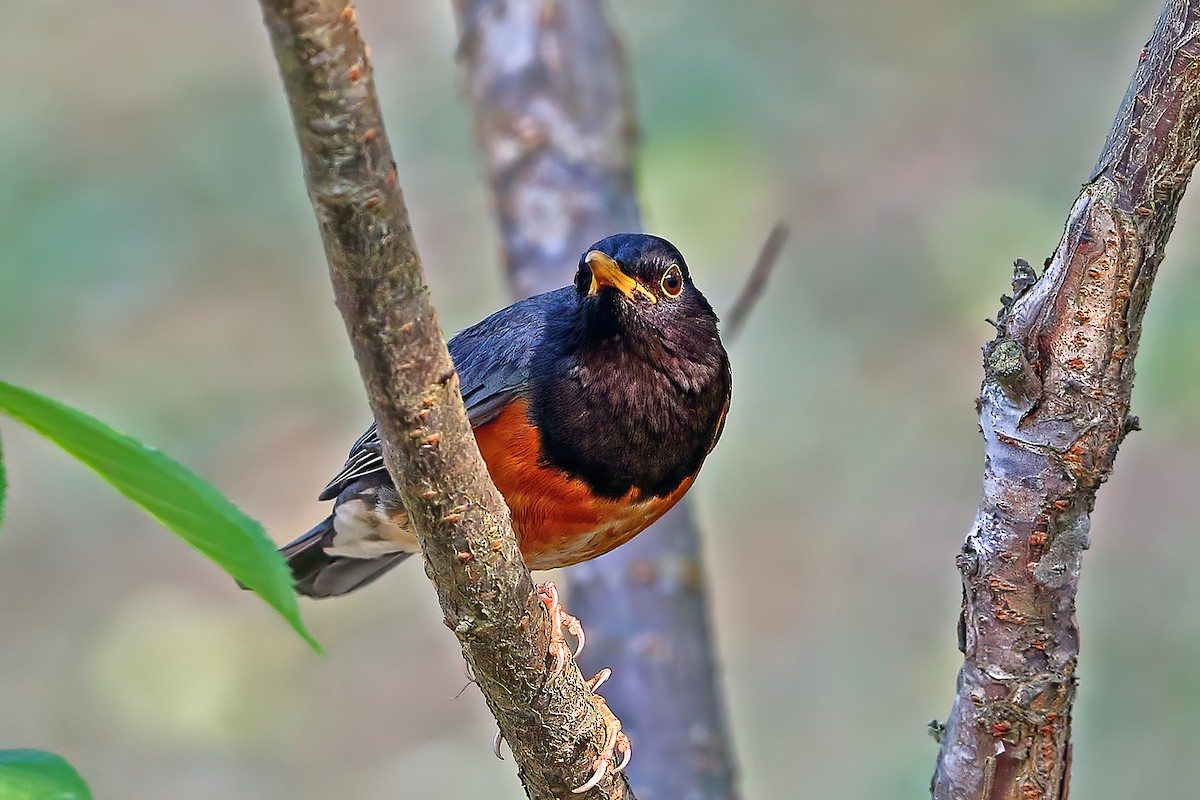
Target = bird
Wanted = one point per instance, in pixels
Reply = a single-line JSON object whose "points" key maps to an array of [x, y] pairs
{"points": [[593, 405]]}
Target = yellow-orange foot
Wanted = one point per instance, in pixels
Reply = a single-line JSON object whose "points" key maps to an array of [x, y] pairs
{"points": [[616, 741], [559, 619]]}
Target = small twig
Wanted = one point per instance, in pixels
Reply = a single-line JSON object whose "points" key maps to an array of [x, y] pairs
{"points": [[756, 281]]}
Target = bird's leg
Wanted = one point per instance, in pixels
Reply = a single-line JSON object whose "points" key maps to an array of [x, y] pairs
{"points": [[616, 740], [548, 593]]}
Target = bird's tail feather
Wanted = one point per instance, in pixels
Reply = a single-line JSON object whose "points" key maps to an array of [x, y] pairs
{"points": [[319, 574]]}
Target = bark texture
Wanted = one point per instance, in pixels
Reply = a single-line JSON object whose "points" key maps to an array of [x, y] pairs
{"points": [[1054, 409], [555, 124], [460, 519]]}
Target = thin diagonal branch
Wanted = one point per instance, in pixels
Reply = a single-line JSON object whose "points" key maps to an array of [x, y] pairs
{"points": [[756, 281], [1054, 409], [460, 519], [555, 123]]}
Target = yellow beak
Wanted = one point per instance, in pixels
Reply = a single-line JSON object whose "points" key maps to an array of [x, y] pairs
{"points": [[606, 272]]}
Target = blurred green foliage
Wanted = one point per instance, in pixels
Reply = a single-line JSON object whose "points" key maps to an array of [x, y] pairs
{"points": [[159, 265]]}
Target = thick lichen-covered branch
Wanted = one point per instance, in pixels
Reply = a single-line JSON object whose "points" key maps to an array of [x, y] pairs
{"points": [[555, 124], [460, 519], [1054, 409]]}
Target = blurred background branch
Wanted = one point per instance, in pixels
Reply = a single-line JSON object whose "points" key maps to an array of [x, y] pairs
{"points": [[555, 123], [1053, 410]]}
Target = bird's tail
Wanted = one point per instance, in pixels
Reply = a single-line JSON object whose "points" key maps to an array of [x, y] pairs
{"points": [[319, 574]]}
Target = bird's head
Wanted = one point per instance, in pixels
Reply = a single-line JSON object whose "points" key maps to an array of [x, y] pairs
{"points": [[638, 283]]}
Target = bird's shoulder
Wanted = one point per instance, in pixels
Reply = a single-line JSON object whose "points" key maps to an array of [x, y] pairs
{"points": [[493, 359]]}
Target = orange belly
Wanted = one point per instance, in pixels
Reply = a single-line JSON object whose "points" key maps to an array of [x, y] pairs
{"points": [[557, 518]]}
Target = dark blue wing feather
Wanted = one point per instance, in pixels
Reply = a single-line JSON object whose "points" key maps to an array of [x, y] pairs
{"points": [[492, 359]]}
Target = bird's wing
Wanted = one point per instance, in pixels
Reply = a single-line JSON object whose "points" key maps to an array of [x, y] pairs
{"points": [[493, 363]]}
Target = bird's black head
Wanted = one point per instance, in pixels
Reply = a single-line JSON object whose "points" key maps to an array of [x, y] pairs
{"points": [[632, 282], [632, 381]]}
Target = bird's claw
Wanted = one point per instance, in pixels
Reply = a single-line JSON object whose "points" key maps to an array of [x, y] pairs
{"points": [[616, 744], [559, 619], [616, 740], [497, 740]]}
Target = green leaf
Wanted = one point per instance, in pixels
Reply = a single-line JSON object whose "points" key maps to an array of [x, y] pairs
{"points": [[169, 492], [37, 775]]}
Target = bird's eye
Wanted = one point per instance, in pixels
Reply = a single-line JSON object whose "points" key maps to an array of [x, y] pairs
{"points": [[672, 281]]}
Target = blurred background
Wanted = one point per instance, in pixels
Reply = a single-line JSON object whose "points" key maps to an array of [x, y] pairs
{"points": [[160, 268]]}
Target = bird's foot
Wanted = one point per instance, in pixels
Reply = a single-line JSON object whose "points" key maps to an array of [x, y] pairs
{"points": [[559, 619], [615, 742]]}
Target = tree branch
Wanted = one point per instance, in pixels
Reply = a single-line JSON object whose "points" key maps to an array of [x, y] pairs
{"points": [[460, 519], [756, 281], [1054, 409], [555, 124]]}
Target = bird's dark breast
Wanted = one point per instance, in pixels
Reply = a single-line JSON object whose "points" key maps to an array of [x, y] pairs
{"points": [[621, 422]]}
